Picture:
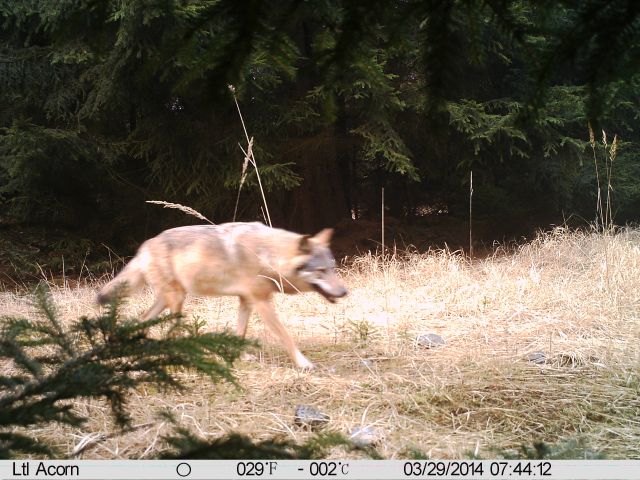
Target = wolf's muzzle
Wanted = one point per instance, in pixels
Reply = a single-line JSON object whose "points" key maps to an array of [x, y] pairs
{"points": [[331, 295]]}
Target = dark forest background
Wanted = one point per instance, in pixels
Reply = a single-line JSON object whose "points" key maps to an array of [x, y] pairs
{"points": [[108, 103]]}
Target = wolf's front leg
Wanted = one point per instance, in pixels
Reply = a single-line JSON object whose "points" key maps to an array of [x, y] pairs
{"points": [[244, 313], [265, 309]]}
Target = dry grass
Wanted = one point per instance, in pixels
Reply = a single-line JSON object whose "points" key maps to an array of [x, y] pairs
{"points": [[573, 296]]}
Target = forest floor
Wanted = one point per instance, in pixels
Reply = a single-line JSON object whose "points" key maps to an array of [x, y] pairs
{"points": [[541, 345]]}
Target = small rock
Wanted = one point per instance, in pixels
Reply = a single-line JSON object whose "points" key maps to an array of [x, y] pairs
{"points": [[310, 417], [366, 363], [365, 436], [430, 340], [537, 357]]}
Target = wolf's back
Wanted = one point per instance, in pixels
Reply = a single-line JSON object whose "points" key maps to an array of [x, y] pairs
{"points": [[131, 274]]}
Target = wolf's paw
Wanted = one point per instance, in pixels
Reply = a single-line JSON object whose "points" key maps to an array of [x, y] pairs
{"points": [[309, 367], [303, 364]]}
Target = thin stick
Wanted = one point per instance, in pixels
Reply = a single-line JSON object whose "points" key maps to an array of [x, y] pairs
{"points": [[470, 215], [384, 265], [383, 222], [612, 156], [605, 225]]}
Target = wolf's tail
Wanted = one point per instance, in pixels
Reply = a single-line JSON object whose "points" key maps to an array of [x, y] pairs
{"points": [[131, 276]]}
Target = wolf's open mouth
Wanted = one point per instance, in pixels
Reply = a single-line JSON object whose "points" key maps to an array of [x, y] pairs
{"points": [[329, 297]]}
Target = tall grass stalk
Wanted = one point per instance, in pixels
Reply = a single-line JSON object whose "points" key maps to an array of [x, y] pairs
{"points": [[612, 155], [182, 208], [382, 221], [599, 216], [470, 215], [243, 177], [604, 213], [250, 158]]}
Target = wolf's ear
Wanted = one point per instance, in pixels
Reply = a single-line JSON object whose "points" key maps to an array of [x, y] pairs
{"points": [[324, 236], [305, 245]]}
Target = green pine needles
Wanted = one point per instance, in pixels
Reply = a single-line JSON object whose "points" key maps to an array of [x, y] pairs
{"points": [[45, 365]]}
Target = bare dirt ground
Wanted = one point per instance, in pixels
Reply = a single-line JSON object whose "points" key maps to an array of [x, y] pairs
{"points": [[574, 297]]}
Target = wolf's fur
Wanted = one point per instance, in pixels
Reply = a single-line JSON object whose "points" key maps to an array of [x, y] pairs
{"points": [[249, 260]]}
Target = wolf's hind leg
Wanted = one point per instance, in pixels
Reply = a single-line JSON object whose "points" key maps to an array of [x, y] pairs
{"points": [[168, 297], [156, 309], [174, 298], [244, 313], [268, 314]]}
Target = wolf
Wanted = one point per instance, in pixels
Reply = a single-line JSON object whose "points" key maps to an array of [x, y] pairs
{"points": [[249, 260]]}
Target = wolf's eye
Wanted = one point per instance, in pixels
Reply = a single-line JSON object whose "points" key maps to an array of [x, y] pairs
{"points": [[322, 270]]}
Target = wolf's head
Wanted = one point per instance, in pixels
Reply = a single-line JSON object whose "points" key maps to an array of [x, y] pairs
{"points": [[317, 267]]}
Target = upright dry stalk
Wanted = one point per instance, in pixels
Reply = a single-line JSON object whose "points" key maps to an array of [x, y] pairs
{"points": [[599, 212], [605, 225], [250, 158], [243, 176], [384, 261], [470, 214], [604, 214], [382, 216], [612, 155]]}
